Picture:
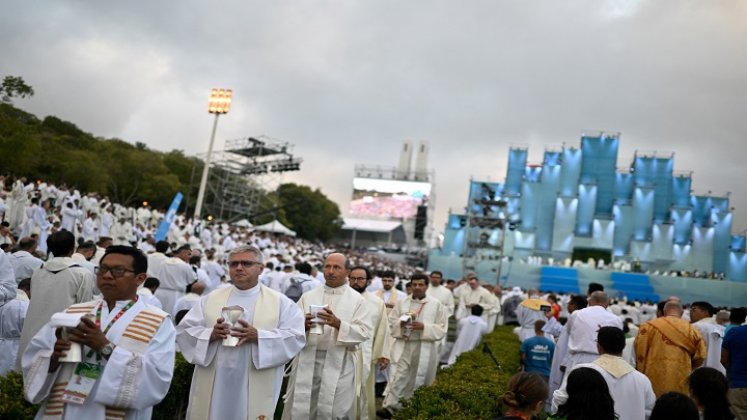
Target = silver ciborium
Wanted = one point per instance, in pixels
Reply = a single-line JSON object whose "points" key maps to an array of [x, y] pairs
{"points": [[231, 315]]}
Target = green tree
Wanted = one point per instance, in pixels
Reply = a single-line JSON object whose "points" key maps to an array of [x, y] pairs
{"points": [[14, 86], [309, 212]]}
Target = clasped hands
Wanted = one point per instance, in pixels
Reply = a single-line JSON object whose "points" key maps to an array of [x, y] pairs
{"points": [[327, 317], [245, 332], [416, 325]]}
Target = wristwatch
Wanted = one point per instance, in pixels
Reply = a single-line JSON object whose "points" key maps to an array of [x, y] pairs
{"points": [[107, 350]]}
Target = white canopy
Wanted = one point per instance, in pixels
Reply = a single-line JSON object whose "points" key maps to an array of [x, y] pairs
{"points": [[243, 223], [275, 227]]}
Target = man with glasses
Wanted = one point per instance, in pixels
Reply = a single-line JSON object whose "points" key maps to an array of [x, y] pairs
{"points": [[241, 381], [60, 283], [127, 350], [376, 351]]}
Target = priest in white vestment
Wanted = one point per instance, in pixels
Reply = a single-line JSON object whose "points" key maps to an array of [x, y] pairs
{"points": [[631, 390], [440, 293], [701, 316], [175, 275], [8, 284], [417, 323], [561, 350], [131, 342], [156, 259], [471, 295], [469, 333], [376, 350], [12, 315], [324, 376], [189, 300], [528, 312], [388, 293], [61, 282], [242, 381], [582, 328]]}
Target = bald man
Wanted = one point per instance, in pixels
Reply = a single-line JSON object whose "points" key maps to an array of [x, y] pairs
{"points": [[322, 382], [582, 329], [667, 349]]}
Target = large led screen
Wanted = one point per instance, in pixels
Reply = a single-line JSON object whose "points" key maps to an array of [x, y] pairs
{"points": [[386, 198]]}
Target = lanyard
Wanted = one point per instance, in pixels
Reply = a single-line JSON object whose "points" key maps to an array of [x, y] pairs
{"points": [[422, 305], [108, 327], [116, 317]]}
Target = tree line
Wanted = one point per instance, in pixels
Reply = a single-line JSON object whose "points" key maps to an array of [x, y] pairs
{"points": [[59, 152]]}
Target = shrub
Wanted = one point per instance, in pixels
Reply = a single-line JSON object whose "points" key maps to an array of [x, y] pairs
{"points": [[174, 406], [12, 403], [472, 388]]}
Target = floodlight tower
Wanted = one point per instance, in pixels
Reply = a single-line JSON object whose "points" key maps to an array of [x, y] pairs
{"points": [[220, 103]]}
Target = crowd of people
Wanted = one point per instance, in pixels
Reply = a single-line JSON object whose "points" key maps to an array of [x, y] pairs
{"points": [[93, 313], [589, 357]]}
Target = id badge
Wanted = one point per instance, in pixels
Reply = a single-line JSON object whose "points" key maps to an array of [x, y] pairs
{"points": [[81, 383]]}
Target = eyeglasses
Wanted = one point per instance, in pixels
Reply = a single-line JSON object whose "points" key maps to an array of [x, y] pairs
{"points": [[245, 264], [357, 278], [116, 271]]}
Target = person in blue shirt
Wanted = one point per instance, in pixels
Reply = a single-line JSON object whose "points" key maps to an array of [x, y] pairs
{"points": [[536, 352], [734, 358]]}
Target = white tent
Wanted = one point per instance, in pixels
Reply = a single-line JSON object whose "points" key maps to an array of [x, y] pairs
{"points": [[243, 223], [275, 227]]}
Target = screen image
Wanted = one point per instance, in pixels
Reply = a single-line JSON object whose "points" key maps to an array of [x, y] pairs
{"points": [[388, 198]]}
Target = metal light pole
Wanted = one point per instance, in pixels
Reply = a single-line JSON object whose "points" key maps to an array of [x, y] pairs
{"points": [[220, 103]]}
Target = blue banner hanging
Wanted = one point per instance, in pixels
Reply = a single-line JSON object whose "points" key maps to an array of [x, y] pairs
{"points": [[168, 219]]}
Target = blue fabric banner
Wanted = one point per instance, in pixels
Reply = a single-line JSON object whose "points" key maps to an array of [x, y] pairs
{"points": [[168, 219]]}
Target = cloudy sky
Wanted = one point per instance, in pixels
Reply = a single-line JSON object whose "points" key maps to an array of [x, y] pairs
{"points": [[348, 81]]}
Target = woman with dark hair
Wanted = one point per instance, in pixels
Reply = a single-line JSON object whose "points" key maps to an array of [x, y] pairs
{"points": [[674, 405], [525, 396], [588, 397], [709, 387]]}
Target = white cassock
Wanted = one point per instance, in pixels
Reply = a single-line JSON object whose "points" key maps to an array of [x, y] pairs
{"points": [[134, 379], [155, 261], [493, 313], [479, 296], [373, 350], [175, 275], [556, 375], [12, 315], [390, 297], [325, 375], [240, 382], [8, 285], [631, 390], [527, 317], [187, 302], [713, 335], [414, 358], [469, 333], [149, 298], [582, 327]]}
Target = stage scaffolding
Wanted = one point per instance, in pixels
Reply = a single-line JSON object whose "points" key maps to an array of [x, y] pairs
{"points": [[243, 173]]}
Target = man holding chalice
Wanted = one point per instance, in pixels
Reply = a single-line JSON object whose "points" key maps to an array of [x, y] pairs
{"points": [[240, 338]]}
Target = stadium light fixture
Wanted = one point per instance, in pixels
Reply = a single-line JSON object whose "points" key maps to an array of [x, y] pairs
{"points": [[219, 103]]}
